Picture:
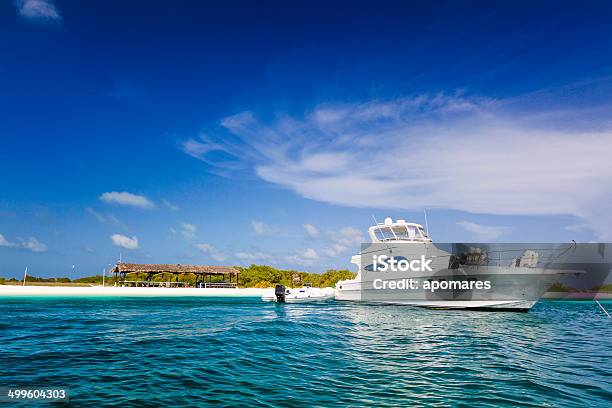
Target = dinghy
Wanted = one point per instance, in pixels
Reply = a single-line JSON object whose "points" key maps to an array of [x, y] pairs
{"points": [[302, 294]]}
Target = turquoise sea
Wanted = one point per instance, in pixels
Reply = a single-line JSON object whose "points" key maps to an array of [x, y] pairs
{"points": [[195, 352]]}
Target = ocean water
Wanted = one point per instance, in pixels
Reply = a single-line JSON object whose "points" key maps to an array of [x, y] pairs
{"points": [[196, 352]]}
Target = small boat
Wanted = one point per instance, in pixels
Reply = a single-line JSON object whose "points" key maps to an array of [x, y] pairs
{"points": [[302, 294]]}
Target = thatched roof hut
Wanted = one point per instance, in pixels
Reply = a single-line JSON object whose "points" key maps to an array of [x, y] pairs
{"points": [[124, 268], [228, 273]]}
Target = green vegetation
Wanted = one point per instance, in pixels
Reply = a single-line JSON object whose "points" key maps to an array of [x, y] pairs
{"points": [[94, 280], [37, 281], [53, 280], [258, 276], [255, 276], [604, 288], [559, 287]]}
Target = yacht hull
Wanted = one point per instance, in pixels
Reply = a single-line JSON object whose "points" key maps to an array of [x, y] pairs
{"points": [[484, 305], [512, 289]]}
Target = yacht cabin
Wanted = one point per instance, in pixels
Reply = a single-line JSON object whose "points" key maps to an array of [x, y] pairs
{"points": [[398, 231]]}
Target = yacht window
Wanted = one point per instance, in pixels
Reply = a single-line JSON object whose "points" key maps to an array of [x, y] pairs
{"points": [[401, 232], [412, 232], [379, 234], [384, 234], [422, 231]]}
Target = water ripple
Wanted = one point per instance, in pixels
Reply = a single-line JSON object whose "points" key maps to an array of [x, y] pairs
{"points": [[149, 352]]}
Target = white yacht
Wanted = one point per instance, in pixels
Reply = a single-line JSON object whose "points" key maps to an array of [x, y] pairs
{"points": [[494, 276]]}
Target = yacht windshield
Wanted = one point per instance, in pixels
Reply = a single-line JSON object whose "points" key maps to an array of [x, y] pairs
{"points": [[384, 234], [401, 232]]}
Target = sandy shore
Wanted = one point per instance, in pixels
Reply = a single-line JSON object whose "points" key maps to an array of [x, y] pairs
{"points": [[94, 291]]}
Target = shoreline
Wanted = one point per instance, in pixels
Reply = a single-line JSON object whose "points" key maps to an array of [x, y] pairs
{"points": [[118, 291], [41, 290]]}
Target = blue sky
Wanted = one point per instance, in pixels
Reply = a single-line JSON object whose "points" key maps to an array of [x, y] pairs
{"points": [[268, 132]]}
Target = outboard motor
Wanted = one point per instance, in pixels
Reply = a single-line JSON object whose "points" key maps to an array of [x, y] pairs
{"points": [[279, 291]]}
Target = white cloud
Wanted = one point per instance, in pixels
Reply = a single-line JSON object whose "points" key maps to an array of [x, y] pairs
{"points": [[31, 244], [485, 233], [310, 253], [305, 257], [211, 251], [34, 245], [311, 230], [125, 242], [260, 227], [201, 148], [198, 149], [38, 10], [254, 256], [4, 242], [343, 240], [125, 198], [434, 151], [188, 231]]}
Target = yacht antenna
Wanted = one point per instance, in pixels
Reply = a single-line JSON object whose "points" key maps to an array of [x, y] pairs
{"points": [[426, 225]]}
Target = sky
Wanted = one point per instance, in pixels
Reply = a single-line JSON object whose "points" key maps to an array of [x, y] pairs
{"points": [[232, 133]]}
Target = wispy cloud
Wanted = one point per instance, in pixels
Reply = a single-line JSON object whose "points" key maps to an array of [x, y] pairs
{"points": [[125, 198], [255, 256], [485, 233], [343, 240], [103, 218], [211, 251], [34, 245], [4, 242], [261, 228], [311, 230], [304, 257], [38, 10], [169, 205], [188, 231], [432, 151], [124, 241], [577, 228], [30, 243]]}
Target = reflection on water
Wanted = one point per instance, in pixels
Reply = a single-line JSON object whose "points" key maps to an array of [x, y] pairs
{"points": [[197, 352]]}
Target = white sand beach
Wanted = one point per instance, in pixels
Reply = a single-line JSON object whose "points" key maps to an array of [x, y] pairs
{"points": [[100, 291]]}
